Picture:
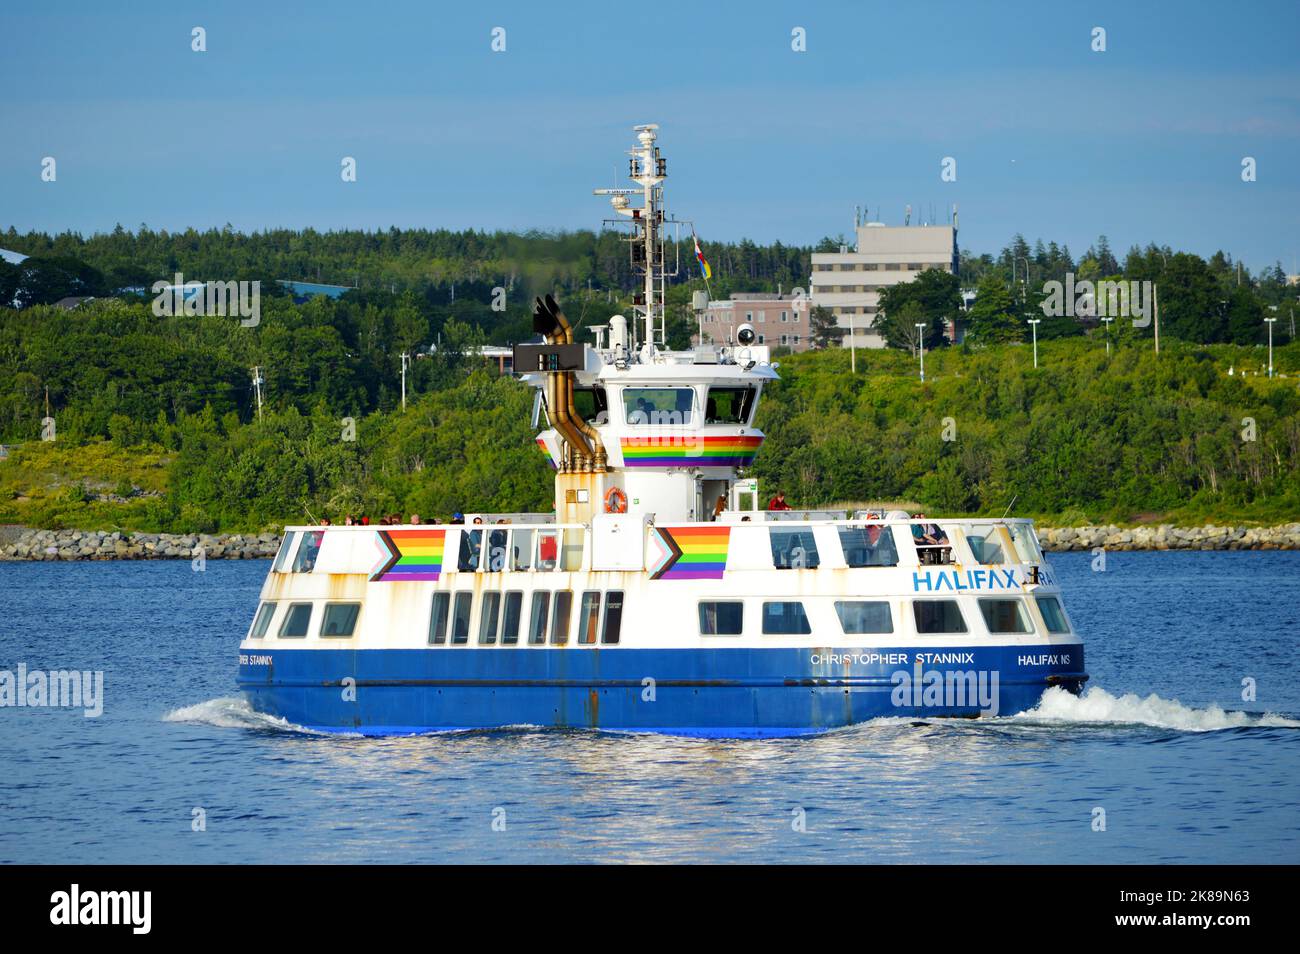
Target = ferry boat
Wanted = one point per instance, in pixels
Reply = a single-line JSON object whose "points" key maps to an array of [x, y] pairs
{"points": [[639, 605]]}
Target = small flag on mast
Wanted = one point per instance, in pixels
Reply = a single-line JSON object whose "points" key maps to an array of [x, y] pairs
{"points": [[704, 265]]}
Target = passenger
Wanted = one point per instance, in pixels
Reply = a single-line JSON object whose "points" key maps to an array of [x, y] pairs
{"points": [[720, 506], [642, 413], [415, 519], [745, 519], [457, 518], [478, 519], [778, 502], [365, 520], [348, 521], [925, 544], [324, 521]]}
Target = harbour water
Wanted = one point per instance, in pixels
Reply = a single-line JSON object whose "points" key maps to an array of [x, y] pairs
{"points": [[1162, 747]]}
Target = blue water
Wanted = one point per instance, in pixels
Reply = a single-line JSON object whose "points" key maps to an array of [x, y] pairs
{"points": [[1179, 779]]}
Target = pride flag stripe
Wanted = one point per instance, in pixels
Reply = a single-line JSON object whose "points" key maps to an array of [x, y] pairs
{"points": [[692, 553], [409, 555]]}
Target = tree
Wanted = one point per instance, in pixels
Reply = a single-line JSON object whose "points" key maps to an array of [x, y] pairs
{"points": [[992, 318], [825, 328], [937, 295]]}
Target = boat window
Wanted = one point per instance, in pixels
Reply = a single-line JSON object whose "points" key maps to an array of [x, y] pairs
{"points": [[785, 619], [869, 545], [262, 620], [560, 613], [860, 617], [613, 617], [460, 619], [591, 404], [305, 560], [548, 547], [471, 541], [1053, 614], [537, 622], [932, 544], [794, 549], [286, 547], [340, 619], [721, 618], [488, 617], [589, 618], [521, 543], [986, 543], [571, 553], [729, 406], [438, 618], [496, 551], [296, 620], [1026, 542], [938, 616], [658, 405], [510, 618], [1004, 616]]}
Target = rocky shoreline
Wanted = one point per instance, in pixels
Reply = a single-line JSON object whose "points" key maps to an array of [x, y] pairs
{"points": [[24, 544]]}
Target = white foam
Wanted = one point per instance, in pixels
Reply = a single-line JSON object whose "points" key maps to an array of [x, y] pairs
{"points": [[230, 713], [1099, 706]]}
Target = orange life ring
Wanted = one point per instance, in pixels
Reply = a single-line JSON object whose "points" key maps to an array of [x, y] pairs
{"points": [[615, 500]]}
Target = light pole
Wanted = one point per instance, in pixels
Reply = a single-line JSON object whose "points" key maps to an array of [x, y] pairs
{"points": [[920, 347], [1270, 345], [1034, 324], [1106, 322]]}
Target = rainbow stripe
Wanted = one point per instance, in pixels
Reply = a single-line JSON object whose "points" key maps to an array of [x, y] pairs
{"points": [[691, 553], [409, 555], [547, 451], [689, 451]]}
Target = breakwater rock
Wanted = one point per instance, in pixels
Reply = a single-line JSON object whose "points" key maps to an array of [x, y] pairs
{"points": [[25, 544], [1167, 537]]}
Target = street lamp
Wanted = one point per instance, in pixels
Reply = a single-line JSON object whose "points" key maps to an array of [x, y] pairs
{"points": [[920, 347], [1270, 345], [1107, 322], [1034, 323]]}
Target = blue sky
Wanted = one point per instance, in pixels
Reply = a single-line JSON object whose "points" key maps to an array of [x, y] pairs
{"points": [[1142, 142]]}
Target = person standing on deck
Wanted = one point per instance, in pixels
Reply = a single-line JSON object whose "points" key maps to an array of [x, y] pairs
{"points": [[778, 502]]}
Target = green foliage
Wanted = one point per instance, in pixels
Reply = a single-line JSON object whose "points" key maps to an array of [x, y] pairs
{"points": [[992, 318]]}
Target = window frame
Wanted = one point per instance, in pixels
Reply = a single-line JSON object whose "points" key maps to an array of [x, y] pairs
{"points": [[1060, 608], [489, 611], [325, 615], [785, 616], [1022, 614], [700, 608], [539, 618], [889, 613], [560, 633], [509, 635], [589, 618], [916, 620], [455, 637], [261, 624], [802, 533], [282, 557], [688, 418], [439, 622], [615, 610], [288, 615]]}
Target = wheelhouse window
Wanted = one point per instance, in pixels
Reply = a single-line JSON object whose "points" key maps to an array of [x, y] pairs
{"points": [[282, 556], [986, 544], [441, 609], [1053, 614], [589, 618], [609, 635], [510, 618], [794, 549], [721, 618], [1026, 543], [932, 544], [541, 611], [591, 404], [560, 613], [262, 621], [785, 619], [488, 617], [671, 406], [296, 621], [305, 559], [340, 619], [729, 406], [938, 616], [460, 619], [863, 617], [870, 544], [1004, 616]]}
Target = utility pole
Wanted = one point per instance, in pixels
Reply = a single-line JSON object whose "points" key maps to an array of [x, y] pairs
{"points": [[853, 347], [920, 346], [1033, 322], [1107, 322], [406, 358], [1270, 345], [1155, 296], [257, 386]]}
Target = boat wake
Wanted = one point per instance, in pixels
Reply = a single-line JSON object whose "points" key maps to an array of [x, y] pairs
{"points": [[1098, 706], [232, 713]]}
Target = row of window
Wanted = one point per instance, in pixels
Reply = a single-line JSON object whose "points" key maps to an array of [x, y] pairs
{"points": [[500, 618], [760, 317], [877, 266], [1003, 616]]}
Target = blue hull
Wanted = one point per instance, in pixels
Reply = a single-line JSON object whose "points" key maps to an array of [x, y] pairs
{"points": [[728, 693]]}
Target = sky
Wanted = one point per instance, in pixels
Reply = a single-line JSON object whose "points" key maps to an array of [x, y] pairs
{"points": [[1142, 142]]}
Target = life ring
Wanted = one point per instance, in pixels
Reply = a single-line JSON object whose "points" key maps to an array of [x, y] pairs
{"points": [[615, 500]]}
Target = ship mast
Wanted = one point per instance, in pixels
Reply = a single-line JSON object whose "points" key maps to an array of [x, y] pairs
{"points": [[648, 169]]}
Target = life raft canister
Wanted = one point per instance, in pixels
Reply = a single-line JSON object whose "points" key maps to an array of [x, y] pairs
{"points": [[615, 500]]}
